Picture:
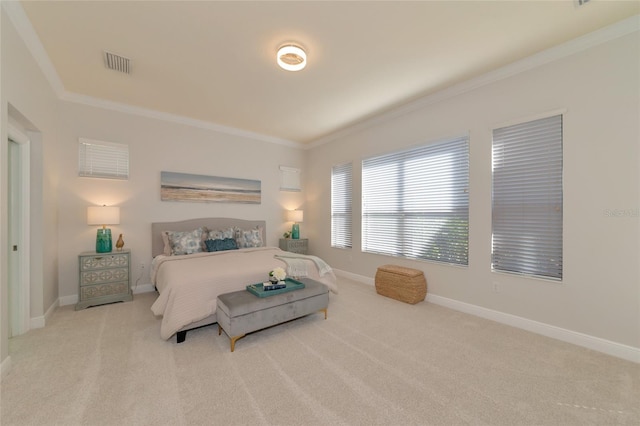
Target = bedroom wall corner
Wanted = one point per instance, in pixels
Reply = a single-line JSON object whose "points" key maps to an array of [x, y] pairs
{"points": [[599, 89], [154, 146]]}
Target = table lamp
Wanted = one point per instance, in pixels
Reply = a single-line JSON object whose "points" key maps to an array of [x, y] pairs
{"points": [[103, 215], [295, 216]]}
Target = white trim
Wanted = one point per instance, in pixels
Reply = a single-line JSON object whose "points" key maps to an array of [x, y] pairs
{"points": [[5, 367], [144, 288], [24, 146], [595, 38], [173, 118], [25, 29], [608, 347], [68, 300], [354, 277], [73, 299]]}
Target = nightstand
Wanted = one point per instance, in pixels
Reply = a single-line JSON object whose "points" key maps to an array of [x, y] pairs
{"points": [[295, 246], [104, 278]]}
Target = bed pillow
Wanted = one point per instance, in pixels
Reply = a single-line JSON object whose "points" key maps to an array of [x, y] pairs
{"points": [[185, 242], [167, 243], [220, 234], [221, 244], [249, 237]]}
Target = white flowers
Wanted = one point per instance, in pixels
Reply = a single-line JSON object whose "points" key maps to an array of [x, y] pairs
{"points": [[278, 274]]}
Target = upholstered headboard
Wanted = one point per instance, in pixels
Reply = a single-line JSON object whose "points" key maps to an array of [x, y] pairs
{"points": [[157, 245]]}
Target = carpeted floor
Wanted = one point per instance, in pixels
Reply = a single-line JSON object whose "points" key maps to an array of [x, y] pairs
{"points": [[374, 361]]}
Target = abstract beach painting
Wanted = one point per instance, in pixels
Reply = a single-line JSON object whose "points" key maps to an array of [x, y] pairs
{"points": [[208, 189]]}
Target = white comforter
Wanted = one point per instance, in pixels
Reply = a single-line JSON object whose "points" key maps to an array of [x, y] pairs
{"points": [[189, 285]]}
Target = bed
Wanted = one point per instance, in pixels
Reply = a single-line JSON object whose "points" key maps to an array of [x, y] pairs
{"points": [[189, 284]]}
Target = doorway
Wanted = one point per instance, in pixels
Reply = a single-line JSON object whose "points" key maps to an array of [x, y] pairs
{"points": [[18, 232]]}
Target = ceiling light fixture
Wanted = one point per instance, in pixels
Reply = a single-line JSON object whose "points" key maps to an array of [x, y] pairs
{"points": [[291, 57]]}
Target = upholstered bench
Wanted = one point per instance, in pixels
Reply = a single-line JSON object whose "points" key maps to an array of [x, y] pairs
{"points": [[241, 312]]}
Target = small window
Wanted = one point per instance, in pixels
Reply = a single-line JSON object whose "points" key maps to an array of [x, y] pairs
{"points": [[527, 198], [103, 160], [341, 189]]}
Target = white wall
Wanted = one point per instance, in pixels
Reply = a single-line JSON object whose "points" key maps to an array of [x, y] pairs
{"points": [[600, 292], [29, 101], [157, 146]]}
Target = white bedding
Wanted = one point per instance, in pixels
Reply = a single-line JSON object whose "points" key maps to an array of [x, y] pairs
{"points": [[189, 285]]}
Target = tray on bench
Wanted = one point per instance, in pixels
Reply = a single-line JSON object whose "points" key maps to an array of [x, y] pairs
{"points": [[257, 289]]}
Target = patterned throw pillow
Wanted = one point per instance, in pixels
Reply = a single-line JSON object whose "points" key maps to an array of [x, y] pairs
{"points": [[249, 238], [221, 244], [221, 234], [185, 242]]}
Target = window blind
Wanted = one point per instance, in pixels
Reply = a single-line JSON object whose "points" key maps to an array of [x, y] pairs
{"points": [[103, 159], [341, 198], [415, 203], [527, 198]]}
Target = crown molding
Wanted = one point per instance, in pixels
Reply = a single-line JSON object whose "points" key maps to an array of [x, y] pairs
{"points": [[19, 18], [595, 38], [172, 118], [25, 30]]}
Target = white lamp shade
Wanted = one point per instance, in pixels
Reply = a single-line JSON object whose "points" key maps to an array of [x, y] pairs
{"points": [[103, 215], [295, 216]]}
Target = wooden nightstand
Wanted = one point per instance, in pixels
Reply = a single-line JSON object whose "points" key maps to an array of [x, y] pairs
{"points": [[104, 278], [295, 246]]}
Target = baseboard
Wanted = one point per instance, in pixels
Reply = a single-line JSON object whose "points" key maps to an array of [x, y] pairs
{"points": [[354, 277], [144, 288], [5, 367], [73, 299], [608, 347], [68, 300]]}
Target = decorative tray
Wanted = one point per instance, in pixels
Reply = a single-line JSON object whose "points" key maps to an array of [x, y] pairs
{"points": [[258, 290]]}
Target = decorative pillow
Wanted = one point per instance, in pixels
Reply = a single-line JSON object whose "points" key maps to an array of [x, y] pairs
{"points": [[221, 244], [185, 242], [249, 238], [221, 234], [167, 243]]}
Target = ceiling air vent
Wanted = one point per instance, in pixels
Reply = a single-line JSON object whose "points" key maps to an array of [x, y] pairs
{"points": [[117, 62], [583, 2]]}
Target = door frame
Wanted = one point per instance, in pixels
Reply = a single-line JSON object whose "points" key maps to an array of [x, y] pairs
{"points": [[20, 321]]}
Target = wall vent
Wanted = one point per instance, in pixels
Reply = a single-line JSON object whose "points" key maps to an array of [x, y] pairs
{"points": [[583, 2], [117, 62]]}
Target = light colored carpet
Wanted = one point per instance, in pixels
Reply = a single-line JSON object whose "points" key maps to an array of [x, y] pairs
{"points": [[374, 361]]}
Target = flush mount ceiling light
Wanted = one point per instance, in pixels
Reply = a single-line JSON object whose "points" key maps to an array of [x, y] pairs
{"points": [[291, 57]]}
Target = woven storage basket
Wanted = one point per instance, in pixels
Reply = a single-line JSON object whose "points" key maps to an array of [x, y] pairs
{"points": [[400, 283]]}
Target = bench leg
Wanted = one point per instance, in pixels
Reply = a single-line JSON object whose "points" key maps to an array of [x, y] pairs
{"points": [[233, 341], [325, 312]]}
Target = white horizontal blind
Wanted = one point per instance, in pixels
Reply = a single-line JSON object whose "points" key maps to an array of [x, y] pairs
{"points": [[415, 203], [527, 198], [341, 198], [103, 159]]}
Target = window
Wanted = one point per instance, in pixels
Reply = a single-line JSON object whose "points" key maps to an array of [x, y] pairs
{"points": [[415, 203], [341, 184], [103, 159], [527, 198]]}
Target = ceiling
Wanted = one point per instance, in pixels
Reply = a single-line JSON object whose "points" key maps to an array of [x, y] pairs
{"points": [[215, 61]]}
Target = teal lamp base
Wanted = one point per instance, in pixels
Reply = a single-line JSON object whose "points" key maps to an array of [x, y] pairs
{"points": [[103, 241], [295, 231]]}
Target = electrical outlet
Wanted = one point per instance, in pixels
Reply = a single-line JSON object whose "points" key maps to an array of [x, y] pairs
{"points": [[141, 265], [496, 287]]}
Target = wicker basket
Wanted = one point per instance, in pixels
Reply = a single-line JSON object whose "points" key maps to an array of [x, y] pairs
{"points": [[400, 283]]}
